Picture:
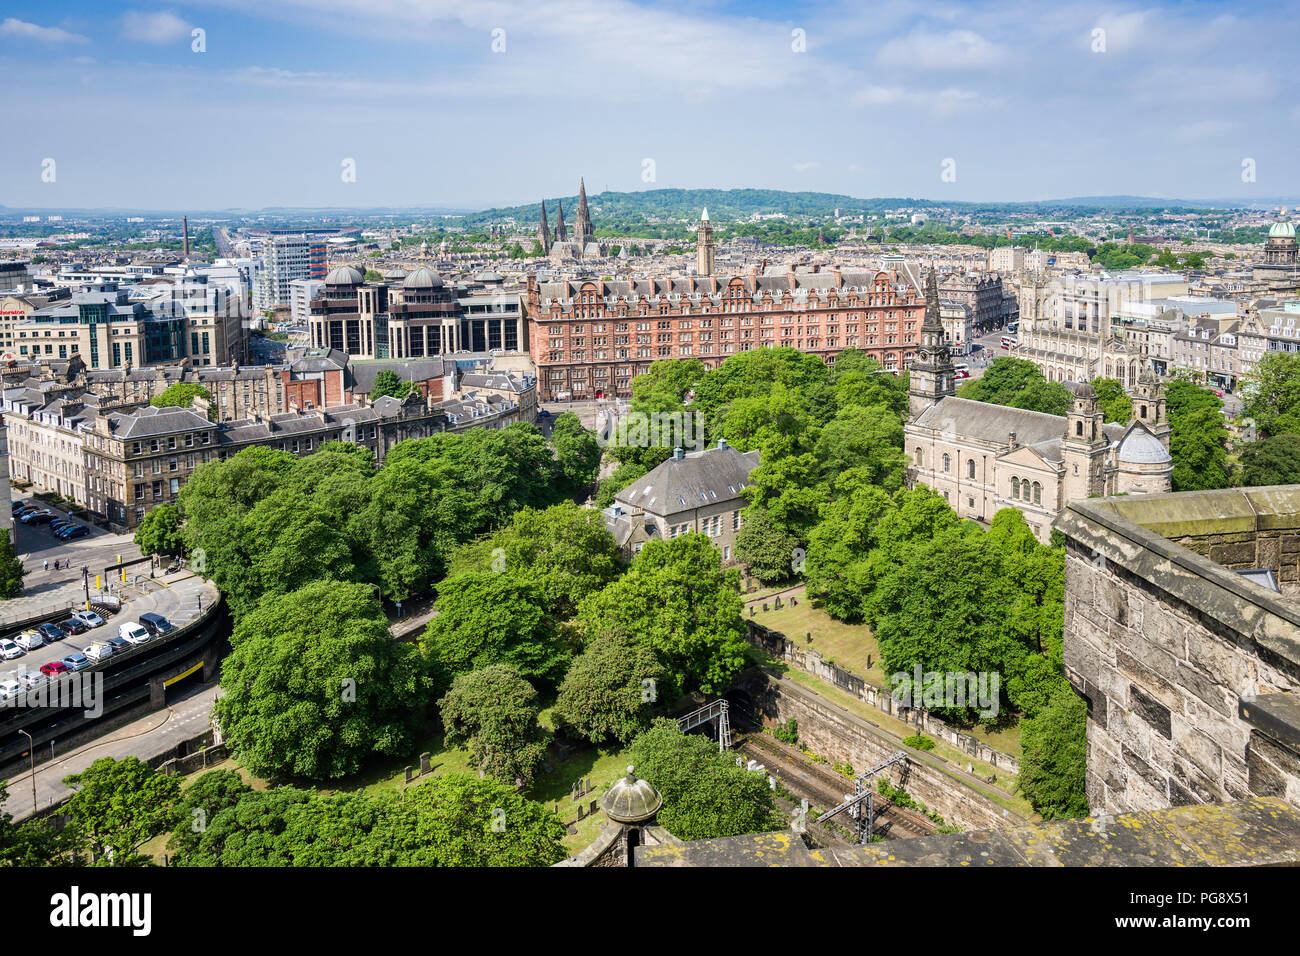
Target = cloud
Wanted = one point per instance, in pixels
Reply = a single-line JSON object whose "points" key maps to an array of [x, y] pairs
{"points": [[160, 27], [12, 27], [943, 102], [805, 166], [955, 50]]}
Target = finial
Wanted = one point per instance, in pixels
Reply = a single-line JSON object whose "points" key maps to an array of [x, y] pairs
{"points": [[631, 774]]}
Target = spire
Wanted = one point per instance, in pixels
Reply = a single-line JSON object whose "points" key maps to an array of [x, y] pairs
{"points": [[544, 232], [705, 217], [561, 230], [583, 230], [932, 321]]}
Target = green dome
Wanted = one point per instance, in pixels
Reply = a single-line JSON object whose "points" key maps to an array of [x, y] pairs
{"points": [[1282, 230]]}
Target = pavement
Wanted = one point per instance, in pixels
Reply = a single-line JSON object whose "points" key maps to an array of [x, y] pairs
{"points": [[154, 734]]}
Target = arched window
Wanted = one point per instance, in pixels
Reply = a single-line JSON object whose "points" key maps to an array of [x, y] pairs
{"points": [[1078, 429], [1144, 411], [1015, 487], [920, 459], [970, 468], [1038, 493], [947, 462]]}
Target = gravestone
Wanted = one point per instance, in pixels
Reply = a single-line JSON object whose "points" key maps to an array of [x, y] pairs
{"points": [[593, 808], [777, 604], [808, 636], [765, 607], [408, 774], [573, 831], [424, 763], [752, 610], [581, 814], [794, 602]]}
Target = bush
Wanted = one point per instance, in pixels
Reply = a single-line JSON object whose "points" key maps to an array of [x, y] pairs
{"points": [[918, 742], [787, 733]]}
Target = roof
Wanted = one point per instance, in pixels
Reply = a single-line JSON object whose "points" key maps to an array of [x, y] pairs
{"points": [[694, 480], [1140, 447], [149, 422]]}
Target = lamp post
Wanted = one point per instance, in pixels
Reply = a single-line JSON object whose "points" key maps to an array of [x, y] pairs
{"points": [[31, 751]]}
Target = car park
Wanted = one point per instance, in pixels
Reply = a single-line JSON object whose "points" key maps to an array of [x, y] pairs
{"points": [[73, 626], [33, 679], [76, 662], [30, 640], [37, 517], [156, 624], [134, 633], [51, 632], [9, 650], [99, 651], [55, 668], [89, 618]]}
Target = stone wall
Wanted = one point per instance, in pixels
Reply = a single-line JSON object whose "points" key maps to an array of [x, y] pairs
{"points": [[839, 736], [1172, 650], [811, 661]]}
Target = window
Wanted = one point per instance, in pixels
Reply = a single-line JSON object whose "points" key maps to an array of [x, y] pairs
{"points": [[970, 468], [1015, 487], [947, 462], [920, 459], [1038, 493]]}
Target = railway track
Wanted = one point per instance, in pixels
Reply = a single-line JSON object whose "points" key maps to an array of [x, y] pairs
{"points": [[826, 787]]}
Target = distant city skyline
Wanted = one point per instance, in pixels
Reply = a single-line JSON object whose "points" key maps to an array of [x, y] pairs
{"points": [[275, 103]]}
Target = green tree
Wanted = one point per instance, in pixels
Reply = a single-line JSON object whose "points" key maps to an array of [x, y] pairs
{"points": [[765, 549], [1199, 446], [1272, 393], [387, 382], [160, 531], [11, 570], [314, 684], [489, 617], [1273, 461], [36, 841], [609, 689], [1018, 383], [467, 822], [678, 598], [1054, 756], [198, 806], [1114, 402], [705, 794], [578, 454], [493, 713], [119, 805], [181, 395]]}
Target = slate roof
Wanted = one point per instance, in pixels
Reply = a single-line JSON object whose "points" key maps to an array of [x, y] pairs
{"points": [[149, 422], [695, 480]]}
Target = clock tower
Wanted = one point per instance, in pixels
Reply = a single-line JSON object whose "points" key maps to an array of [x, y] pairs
{"points": [[931, 373]]}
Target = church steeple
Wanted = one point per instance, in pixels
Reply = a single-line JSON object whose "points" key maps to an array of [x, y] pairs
{"points": [[931, 376], [544, 232], [584, 232], [561, 230]]}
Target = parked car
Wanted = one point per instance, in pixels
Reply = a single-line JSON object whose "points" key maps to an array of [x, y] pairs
{"points": [[51, 632], [30, 509], [31, 679], [99, 651], [118, 644], [133, 633], [74, 532], [29, 640], [19, 505], [57, 523], [9, 650], [89, 618], [73, 626], [543, 414], [10, 687], [55, 668], [156, 624], [37, 517], [76, 661]]}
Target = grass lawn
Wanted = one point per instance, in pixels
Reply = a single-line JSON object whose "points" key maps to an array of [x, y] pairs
{"points": [[848, 646]]}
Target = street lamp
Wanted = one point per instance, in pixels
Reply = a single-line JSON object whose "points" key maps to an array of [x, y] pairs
{"points": [[31, 751]]}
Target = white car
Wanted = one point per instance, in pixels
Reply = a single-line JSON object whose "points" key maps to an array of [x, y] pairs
{"points": [[9, 650], [9, 687], [99, 652], [133, 633], [89, 618], [31, 679], [29, 640]]}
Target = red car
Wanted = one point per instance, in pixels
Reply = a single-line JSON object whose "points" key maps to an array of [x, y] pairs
{"points": [[55, 668]]}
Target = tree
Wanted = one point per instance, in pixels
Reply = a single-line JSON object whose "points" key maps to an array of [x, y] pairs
{"points": [[578, 454], [609, 689], [1273, 461], [1054, 756], [493, 712], [485, 618], [373, 275], [1198, 445], [467, 822], [160, 531], [314, 684], [766, 550], [1272, 393], [11, 570], [1018, 383], [678, 598], [198, 806], [181, 395], [1114, 402], [120, 804], [387, 382], [705, 794], [35, 841]]}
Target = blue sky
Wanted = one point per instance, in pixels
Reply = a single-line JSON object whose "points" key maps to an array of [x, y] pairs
{"points": [[1031, 100]]}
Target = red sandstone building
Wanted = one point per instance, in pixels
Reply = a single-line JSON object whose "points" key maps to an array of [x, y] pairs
{"points": [[589, 338]]}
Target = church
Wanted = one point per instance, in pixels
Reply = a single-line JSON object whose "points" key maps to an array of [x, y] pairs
{"points": [[983, 457]]}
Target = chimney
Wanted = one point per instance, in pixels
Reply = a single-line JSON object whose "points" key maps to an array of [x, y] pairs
{"points": [[678, 453], [722, 443], [1011, 440]]}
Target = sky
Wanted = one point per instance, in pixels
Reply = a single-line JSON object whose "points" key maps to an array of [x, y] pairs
{"points": [[218, 104]]}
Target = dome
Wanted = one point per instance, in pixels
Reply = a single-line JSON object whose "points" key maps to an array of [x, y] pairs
{"points": [[344, 275], [423, 278], [394, 275], [1140, 447], [631, 800], [1282, 230], [1085, 391]]}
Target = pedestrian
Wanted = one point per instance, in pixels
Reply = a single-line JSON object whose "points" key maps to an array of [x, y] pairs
{"points": [[47, 564]]}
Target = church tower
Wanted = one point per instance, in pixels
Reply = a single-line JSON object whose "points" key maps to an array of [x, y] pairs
{"points": [[584, 232], [704, 246], [931, 373], [1149, 406], [561, 230], [544, 232], [1084, 447]]}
